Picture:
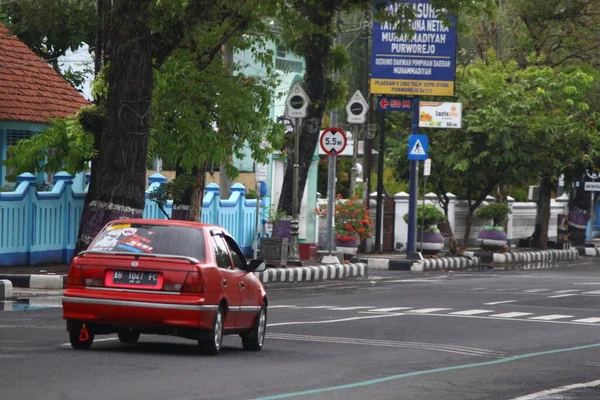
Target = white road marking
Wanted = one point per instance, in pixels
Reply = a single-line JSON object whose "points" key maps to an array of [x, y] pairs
{"points": [[428, 310], [551, 392], [471, 312], [594, 292], [478, 288], [315, 307], [330, 321], [511, 314], [587, 320], [561, 295], [567, 291], [536, 290], [283, 306], [389, 309], [499, 302], [472, 351], [348, 308], [551, 317]]}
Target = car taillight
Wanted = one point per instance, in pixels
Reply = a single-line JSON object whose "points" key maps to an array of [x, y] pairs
{"points": [[194, 283], [75, 276]]}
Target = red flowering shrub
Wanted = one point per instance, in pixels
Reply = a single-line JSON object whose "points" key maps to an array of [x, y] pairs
{"points": [[352, 219]]}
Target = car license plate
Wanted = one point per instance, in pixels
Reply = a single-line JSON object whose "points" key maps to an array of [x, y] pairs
{"points": [[136, 278]]}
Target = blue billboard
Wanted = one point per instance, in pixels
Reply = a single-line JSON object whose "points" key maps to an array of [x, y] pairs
{"points": [[421, 64]]}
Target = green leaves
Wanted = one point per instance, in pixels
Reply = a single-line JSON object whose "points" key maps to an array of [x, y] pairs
{"points": [[65, 145]]}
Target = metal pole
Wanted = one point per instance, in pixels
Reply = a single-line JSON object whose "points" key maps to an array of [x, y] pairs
{"points": [[423, 209], [379, 221], [592, 215], [354, 157], [413, 191], [330, 202], [256, 226], [294, 257]]}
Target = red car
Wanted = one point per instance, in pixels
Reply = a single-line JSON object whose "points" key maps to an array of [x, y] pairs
{"points": [[165, 277]]}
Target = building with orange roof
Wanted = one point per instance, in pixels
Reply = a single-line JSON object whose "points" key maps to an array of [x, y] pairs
{"points": [[31, 94]]}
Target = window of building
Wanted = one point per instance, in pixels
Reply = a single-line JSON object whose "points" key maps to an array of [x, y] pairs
{"points": [[281, 52], [12, 138]]}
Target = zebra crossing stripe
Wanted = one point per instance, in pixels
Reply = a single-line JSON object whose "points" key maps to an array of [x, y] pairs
{"points": [[588, 320], [511, 314], [551, 317], [389, 309], [428, 310], [471, 312]]}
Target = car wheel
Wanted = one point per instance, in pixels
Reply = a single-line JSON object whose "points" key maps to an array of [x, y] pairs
{"points": [[81, 339], [129, 337], [212, 343], [255, 339]]}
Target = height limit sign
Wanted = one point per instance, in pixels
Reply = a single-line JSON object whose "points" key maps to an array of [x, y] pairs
{"points": [[333, 141]]}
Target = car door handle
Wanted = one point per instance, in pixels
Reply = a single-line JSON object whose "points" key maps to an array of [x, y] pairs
{"points": [[242, 285], [224, 282]]}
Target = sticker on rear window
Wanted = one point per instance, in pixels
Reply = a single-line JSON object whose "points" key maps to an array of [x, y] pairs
{"points": [[129, 231], [117, 226], [108, 241]]}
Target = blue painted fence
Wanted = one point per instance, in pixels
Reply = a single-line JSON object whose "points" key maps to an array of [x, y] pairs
{"points": [[41, 227]]}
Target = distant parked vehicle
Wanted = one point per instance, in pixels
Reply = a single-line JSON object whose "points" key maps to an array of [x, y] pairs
{"points": [[165, 277]]}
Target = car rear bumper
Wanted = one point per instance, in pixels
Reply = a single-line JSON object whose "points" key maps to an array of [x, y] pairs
{"points": [[103, 310]]}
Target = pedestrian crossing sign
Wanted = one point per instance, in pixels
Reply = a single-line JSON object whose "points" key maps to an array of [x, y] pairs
{"points": [[418, 146]]}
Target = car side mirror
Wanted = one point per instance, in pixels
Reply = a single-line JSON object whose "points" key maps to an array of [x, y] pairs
{"points": [[257, 265]]}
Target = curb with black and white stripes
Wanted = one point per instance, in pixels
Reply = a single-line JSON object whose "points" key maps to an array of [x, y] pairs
{"points": [[314, 273], [540, 255], [589, 251], [472, 261], [36, 281]]}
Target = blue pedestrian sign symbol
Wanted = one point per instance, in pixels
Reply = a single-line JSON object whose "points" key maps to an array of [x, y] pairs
{"points": [[418, 146]]}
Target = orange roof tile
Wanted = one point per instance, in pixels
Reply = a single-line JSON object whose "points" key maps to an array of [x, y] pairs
{"points": [[30, 90]]}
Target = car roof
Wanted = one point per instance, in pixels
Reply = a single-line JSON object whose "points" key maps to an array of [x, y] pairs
{"points": [[167, 222]]}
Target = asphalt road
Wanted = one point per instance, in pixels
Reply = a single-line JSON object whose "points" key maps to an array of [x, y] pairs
{"points": [[489, 334]]}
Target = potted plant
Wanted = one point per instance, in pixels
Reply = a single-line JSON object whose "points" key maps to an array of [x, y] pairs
{"points": [[281, 223], [274, 249], [352, 224], [429, 239], [493, 237]]}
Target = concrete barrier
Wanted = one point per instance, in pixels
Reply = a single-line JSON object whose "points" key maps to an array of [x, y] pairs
{"points": [[6, 289]]}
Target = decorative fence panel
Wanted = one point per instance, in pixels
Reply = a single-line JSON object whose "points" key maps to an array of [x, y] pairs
{"points": [[41, 227]]}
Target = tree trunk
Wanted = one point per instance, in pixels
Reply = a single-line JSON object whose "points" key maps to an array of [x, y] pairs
{"points": [[189, 206], [445, 227], [468, 223], [181, 206], [118, 176], [197, 194], [316, 50]]}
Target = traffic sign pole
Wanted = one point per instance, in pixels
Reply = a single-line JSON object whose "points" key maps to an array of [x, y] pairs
{"points": [[379, 212], [330, 201], [426, 172], [333, 141], [413, 190], [296, 107], [294, 256]]}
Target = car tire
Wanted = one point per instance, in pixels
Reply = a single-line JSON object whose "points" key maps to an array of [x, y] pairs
{"points": [[128, 337], [254, 340], [77, 343], [211, 344]]}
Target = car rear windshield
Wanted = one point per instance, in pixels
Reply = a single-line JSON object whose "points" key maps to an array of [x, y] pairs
{"points": [[151, 239]]}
